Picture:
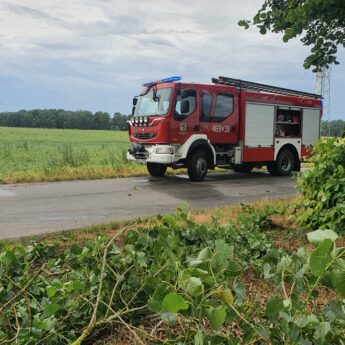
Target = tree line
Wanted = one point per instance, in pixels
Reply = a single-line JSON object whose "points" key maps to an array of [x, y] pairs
{"points": [[82, 119], [334, 128], [59, 118]]}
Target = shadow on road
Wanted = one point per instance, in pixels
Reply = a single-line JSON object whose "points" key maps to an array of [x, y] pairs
{"points": [[180, 187]]}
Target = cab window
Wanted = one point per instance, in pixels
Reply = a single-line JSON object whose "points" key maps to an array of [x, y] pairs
{"points": [[224, 106], [192, 104], [206, 107]]}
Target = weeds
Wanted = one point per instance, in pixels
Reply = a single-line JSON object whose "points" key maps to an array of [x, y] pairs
{"points": [[73, 158], [175, 282]]}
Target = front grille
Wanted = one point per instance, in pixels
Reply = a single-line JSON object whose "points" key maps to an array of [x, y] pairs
{"points": [[144, 136]]}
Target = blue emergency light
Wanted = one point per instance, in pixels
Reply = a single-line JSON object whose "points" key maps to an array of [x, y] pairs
{"points": [[165, 80]]}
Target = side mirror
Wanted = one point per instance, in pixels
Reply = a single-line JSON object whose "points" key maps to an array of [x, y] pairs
{"points": [[135, 101], [187, 93], [185, 106], [133, 110]]}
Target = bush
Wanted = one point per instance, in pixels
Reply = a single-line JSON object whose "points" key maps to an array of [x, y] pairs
{"points": [[323, 187]]}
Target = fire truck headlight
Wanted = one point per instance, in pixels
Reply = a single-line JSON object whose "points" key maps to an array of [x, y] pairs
{"points": [[164, 150], [141, 120], [146, 119]]}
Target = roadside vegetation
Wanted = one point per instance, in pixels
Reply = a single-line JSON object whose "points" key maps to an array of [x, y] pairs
{"points": [[247, 274], [230, 276], [36, 154]]}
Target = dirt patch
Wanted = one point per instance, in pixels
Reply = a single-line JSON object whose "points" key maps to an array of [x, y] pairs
{"points": [[341, 242]]}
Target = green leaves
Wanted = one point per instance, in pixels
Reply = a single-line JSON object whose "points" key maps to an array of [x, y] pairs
{"points": [[321, 331], [7, 257], [244, 23], [155, 301], [194, 287], [221, 255], [321, 257], [323, 188], [51, 291], [183, 272], [199, 338], [216, 316], [225, 295], [318, 236], [320, 24], [51, 309], [173, 303], [338, 281], [274, 306]]}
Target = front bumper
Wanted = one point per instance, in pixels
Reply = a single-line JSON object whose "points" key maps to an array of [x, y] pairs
{"points": [[149, 154]]}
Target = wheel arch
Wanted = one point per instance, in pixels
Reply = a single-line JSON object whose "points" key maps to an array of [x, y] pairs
{"points": [[203, 145], [196, 143], [293, 150]]}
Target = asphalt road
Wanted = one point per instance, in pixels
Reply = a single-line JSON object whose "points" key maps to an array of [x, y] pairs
{"points": [[31, 209]]}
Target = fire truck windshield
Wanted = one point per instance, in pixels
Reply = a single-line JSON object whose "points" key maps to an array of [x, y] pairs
{"points": [[147, 105]]}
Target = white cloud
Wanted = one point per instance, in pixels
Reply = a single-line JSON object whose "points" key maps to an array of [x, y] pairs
{"points": [[91, 48]]}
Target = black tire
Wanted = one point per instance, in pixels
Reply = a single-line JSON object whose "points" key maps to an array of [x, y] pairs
{"points": [[156, 169], [197, 166], [243, 168], [272, 169], [284, 164]]}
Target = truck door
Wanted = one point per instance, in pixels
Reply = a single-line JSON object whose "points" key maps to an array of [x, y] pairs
{"points": [[224, 121], [205, 118], [185, 124]]}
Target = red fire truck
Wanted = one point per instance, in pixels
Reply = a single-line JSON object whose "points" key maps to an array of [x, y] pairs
{"points": [[231, 123]]}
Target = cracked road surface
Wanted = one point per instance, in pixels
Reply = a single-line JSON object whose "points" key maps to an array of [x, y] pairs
{"points": [[32, 209]]}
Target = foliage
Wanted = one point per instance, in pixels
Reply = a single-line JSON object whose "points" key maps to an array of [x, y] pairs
{"points": [[59, 118], [191, 276], [333, 128], [321, 24], [323, 187], [34, 154]]}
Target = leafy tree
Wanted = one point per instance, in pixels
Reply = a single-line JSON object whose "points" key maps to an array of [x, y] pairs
{"points": [[119, 122], [101, 120], [84, 120], [320, 22]]}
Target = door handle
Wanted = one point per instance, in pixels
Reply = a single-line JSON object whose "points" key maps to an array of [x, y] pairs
{"points": [[196, 128]]}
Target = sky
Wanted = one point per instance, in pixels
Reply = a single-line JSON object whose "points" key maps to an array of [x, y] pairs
{"points": [[95, 54]]}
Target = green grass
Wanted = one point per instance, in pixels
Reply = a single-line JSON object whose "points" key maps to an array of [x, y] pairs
{"points": [[35, 154]]}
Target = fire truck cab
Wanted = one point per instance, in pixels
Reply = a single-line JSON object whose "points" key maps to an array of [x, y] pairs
{"points": [[231, 123]]}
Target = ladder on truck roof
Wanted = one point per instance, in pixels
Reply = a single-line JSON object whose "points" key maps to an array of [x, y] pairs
{"points": [[243, 84]]}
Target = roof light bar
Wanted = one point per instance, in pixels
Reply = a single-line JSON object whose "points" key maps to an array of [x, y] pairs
{"points": [[165, 80]]}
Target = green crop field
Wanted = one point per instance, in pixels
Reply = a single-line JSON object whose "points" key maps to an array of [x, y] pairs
{"points": [[35, 154]]}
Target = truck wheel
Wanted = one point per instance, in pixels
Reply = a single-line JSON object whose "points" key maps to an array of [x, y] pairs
{"points": [[243, 168], [197, 166], [272, 169], [156, 169], [284, 164]]}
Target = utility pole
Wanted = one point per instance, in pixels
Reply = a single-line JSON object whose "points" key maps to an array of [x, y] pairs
{"points": [[323, 88]]}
